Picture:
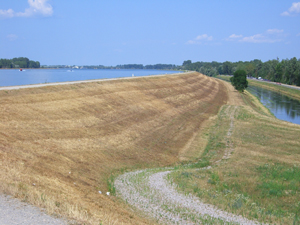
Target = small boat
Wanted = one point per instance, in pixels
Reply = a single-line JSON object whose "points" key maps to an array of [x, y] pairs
{"points": [[21, 70]]}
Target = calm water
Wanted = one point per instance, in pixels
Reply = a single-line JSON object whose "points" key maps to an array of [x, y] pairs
{"points": [[37, 76], [281, 106]]}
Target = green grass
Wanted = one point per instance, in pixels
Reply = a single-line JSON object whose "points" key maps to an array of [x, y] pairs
{"points": [[275, 87], [261, 180], [279, 180]]}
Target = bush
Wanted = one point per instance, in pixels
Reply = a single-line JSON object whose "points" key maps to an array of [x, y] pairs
{"points": [[239, 80]]}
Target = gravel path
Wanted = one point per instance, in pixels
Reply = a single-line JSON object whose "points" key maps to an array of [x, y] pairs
{"points": [[149, 191], [13, 211]]}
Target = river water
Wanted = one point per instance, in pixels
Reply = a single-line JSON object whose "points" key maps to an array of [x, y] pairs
{"points": [[13, 77], [282, 106]]}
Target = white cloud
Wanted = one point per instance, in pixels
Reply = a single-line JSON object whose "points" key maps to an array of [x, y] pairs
{"points": [[36, 7], [286, 13], [204, 37], [190, 42], [270, 36], [6, 13], [259, 38], [274, 31], [199, 38], [295, 8], [12, 37], [233, 37]]}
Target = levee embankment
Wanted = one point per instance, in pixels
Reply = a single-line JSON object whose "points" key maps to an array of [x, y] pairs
{"points": [[60, 146]]}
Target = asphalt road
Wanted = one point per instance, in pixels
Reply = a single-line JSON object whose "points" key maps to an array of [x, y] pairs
{"points": [[285, 85]]}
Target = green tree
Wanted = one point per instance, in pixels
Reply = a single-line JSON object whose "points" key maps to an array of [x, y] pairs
{"points": [[239, 80], [250, 69], [278, 73], [220, 70], [5, 63], [187, 62], [227, 67]]}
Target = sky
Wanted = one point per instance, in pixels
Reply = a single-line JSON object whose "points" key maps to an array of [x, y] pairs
{"points": [[98, 32]]}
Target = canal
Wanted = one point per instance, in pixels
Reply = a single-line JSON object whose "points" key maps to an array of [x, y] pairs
{"points": [[282, 106]]}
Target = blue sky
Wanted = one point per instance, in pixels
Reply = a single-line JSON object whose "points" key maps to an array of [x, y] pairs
{"points": [[97, 32]]}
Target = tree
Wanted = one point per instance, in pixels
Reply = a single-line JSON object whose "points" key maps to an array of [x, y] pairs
{"points": [[187, 62], [220, 70], [227, 67], [250, 69], [278, 73], [239, 80], [5, 63]]}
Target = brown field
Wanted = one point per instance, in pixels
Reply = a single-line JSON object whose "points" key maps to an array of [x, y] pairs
{"points": [[60, 145]]}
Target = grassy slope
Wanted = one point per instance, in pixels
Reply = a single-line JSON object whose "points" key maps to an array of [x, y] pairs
{"points": [[60, 145], [261, 180]]}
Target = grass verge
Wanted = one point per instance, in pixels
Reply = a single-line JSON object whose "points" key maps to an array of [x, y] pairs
{"points": [[261, 179], [293, 93]]}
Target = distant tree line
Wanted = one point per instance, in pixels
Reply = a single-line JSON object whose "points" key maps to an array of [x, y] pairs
{"points": [[285, 71], [161, 67], [207, 68], [130, 66], [20, 62], [125, 66], [148, 67]]}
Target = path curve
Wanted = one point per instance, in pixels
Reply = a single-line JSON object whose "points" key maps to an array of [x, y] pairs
{"points": [[149, 191]]}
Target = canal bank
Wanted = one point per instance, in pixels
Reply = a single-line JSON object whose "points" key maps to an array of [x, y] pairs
{"points": [[283, 102], [288, 90], [282, 106]]}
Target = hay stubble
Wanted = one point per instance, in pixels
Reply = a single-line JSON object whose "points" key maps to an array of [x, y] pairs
{"points": [[68, 140]]}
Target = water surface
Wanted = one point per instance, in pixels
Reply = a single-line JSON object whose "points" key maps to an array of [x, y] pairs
{"points": [[282, 106], [14, 77]]}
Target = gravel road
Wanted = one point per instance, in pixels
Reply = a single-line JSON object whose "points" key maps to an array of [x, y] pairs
{"points": [[150, 191], [13, 211]]}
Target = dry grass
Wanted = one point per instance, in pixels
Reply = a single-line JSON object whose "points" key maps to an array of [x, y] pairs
{"points": [[60, 145], [261, 179]]}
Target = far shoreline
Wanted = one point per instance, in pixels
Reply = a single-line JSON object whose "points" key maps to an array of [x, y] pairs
{"points": [[52, 68], [84, 81]]}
